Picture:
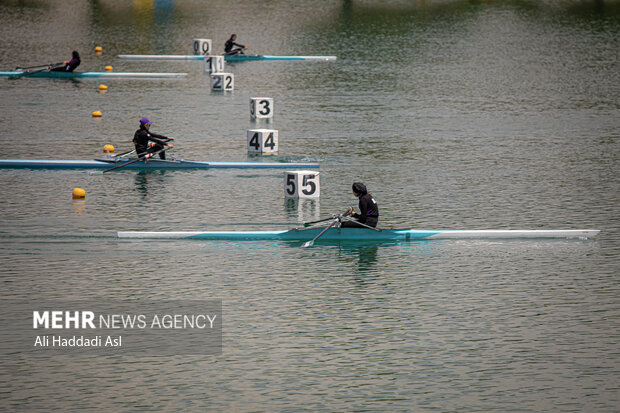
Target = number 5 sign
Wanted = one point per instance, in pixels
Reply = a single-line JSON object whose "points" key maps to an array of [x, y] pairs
{"points": [[302, 184]]}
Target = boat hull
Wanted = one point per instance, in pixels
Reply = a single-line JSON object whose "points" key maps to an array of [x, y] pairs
{"points": [[361, 234], [228, 58], [96, 75], [161, 57], [150, 164], [246, 57]]}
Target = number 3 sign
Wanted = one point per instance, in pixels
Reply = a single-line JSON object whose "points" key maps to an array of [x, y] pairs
{"points": [[261, 108]]}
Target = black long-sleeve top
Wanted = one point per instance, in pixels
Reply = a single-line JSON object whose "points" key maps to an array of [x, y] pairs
{"points": [[368, 208], [73, 63], [69, 67], [142, 137], [229, 45]]}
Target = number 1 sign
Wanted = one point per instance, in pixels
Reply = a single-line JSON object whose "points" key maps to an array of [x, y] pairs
{"points": [[214, 64]]}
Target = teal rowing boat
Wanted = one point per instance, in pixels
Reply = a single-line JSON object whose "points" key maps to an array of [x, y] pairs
{"points": [[360, 234], [105, 163], [94, 75]]}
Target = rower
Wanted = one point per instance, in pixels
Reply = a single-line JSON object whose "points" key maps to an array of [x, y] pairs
{"points": [[142, 137], [228, 47], [369, 211], [69, 65]]}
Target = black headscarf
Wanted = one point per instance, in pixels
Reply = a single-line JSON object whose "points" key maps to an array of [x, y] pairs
{"points": [[359, 188]]}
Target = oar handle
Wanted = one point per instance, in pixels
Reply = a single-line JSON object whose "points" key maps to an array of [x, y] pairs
{"points": [[334, 216], [139, 158], [45, 65], [125, 153], [361, 223]]}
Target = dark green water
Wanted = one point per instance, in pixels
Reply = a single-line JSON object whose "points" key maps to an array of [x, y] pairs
{"points": [[472, 115]]}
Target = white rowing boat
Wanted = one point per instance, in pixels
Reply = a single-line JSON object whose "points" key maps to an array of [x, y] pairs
{"points": [[362, 234], [228, 58]]}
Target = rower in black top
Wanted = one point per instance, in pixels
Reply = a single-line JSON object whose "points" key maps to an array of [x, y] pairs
{"points": [[228, 47], [369, 210], [69, 65], [142, 137]]}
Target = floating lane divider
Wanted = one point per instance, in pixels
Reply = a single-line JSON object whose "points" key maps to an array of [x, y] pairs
{"points": [[105, 163], [229, 58], [95, 75], [362, 234]]}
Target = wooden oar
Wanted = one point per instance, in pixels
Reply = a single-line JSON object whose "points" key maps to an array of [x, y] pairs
{"points": [[139, 158]]}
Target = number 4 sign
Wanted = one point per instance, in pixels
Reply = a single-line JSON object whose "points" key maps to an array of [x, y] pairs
{"points": [[262, 140], [302, 184]]}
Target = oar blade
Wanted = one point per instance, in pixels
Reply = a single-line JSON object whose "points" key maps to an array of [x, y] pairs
{"points": [[307, 244]]}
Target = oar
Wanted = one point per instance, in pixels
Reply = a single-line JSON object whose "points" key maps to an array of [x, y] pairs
{"points": [[125, 153], [139, 158], [48, 68], [37, 66], [361, 223], [334, 216], [311, 242], [307, 224]]}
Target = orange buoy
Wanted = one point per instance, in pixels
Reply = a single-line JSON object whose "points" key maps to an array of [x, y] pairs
{"points": [[79, 193], [108, 148], [98, 49], [103, 87], [97, 114], [109, 68]]}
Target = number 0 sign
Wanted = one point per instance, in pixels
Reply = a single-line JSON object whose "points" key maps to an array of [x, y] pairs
{"points": [[202, 46]]}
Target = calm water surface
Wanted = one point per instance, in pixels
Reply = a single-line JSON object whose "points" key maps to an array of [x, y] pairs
{"points": [[455, 114]]}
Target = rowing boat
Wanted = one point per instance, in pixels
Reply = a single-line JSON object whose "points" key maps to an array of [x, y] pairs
{"points": [[95, 75], [229, 58], [104, 163], [362, 234], [252, 57]]}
